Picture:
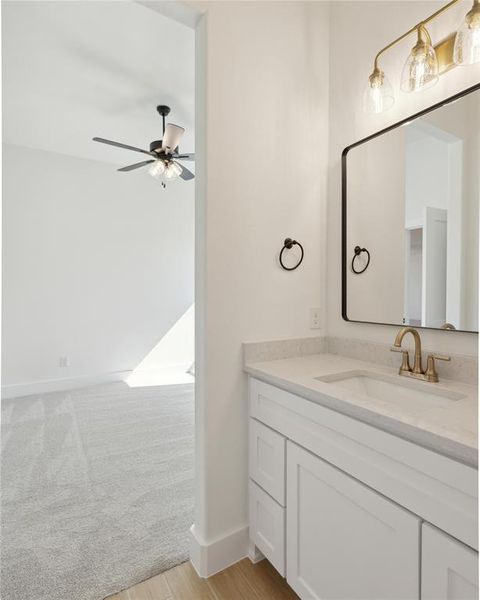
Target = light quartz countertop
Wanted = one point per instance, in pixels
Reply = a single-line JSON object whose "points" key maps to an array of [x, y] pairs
{"points": [[448, 427]]}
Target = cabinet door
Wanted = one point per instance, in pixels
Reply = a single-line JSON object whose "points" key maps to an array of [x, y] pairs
{"points": [[346, 541], [449, 568]]}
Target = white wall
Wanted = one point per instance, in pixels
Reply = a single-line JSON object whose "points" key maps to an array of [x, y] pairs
{"points": [[413, 276], [423, 157], [359, 30], [97, 265], [264, 127], [172, 360], [176, 348]]}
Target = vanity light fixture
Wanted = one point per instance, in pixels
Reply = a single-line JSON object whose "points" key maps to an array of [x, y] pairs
{"points": [[426, 62], [421, 68], [467, 41], [378, 96]]}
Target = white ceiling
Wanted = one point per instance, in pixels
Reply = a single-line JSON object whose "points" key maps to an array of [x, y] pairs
{"points": [[79, 69]]}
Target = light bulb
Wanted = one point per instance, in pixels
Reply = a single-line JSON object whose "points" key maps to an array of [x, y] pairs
{"points": [[467, 41], [378, 96], [173, 170], [157, 169], [421, 68]]}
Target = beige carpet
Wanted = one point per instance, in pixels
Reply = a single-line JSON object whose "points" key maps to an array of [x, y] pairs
{"points": [[97, 489]]}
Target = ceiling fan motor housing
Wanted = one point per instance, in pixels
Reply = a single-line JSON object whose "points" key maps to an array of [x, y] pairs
{"points": [[156, 146]]}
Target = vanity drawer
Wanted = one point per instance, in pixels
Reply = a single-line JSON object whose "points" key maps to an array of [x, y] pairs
{"points": [[267, 526], [267, 460]]}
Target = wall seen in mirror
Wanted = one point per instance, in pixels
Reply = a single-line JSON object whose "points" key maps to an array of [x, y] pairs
{"points": [[412, 198], [372, 23]]}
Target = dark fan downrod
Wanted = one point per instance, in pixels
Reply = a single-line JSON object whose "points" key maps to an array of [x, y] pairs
{"points": [[164, 111]]}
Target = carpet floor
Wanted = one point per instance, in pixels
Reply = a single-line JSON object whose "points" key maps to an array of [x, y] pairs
{"points": [[97, 489]]}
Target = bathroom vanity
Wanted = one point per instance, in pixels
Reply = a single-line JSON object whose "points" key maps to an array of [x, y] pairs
{"points": [[363, 484], [363, 477]]}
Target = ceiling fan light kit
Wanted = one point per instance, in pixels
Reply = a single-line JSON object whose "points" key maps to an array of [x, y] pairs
{"points": [[157, 169], [426, 62], [164, 153]]}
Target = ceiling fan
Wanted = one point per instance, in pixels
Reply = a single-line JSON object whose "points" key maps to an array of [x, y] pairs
{"points": [[164, 153]]}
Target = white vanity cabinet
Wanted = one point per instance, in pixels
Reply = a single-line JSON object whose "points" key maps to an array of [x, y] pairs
{"points": [[347, 511]]}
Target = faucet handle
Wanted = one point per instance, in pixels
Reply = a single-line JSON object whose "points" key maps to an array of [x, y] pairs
{"points": [[431, 372], [405, 366], [440, 357]]}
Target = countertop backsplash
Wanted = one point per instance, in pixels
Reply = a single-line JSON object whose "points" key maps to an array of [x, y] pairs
{"points": [[461, 367]]}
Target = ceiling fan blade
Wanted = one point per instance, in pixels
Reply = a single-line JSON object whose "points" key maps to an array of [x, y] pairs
{"points": [[186, 174], [184, 156], [171, 137], [136, 165], [119, 145]]}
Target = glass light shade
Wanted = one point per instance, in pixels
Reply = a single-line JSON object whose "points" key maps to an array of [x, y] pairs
{"points": [[378, 96], [173, 170], [157, 169], [421, 69], [467, 41]]}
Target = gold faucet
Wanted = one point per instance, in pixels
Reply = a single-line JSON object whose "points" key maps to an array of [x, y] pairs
{"points": [[430, 374]]}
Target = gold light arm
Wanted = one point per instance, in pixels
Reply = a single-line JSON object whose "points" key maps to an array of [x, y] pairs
{"points": [[394, 43], [417, 27]]}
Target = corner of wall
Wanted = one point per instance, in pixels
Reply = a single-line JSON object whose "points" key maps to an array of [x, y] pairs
{"points": [[210, 558]]}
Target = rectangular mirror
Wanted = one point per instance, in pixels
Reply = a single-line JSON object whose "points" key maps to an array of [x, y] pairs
{"points": [[410, 220]]}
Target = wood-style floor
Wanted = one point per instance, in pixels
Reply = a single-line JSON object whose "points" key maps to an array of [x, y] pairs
{"points": [[243, 581]]}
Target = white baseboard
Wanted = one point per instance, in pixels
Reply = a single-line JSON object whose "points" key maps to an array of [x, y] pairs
{"points": [[254, 553], [210, 558], [16, 390]]}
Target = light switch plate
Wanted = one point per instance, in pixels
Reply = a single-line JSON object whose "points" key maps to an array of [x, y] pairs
{"points": [[64, 361]]}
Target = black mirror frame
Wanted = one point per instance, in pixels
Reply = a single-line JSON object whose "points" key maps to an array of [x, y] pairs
{"points": [[344, 204]]}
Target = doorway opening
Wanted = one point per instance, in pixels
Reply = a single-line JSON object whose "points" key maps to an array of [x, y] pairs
{"points": [[98, 266], [433, 223]]}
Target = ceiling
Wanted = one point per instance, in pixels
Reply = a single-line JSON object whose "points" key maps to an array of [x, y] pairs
{"points": [[79, 69]]}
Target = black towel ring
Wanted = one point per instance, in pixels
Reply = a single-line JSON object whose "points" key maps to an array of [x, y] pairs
{"points": [[288, 245], [357, 251]]}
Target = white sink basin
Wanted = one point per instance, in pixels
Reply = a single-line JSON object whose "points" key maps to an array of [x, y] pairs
{"points": [[392, 388]]}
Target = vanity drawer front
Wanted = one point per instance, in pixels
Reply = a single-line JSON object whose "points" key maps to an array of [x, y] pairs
{"points": [[436, 488], [267, 526], [267, 460]]}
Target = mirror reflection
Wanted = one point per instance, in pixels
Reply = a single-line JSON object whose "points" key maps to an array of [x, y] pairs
{"points": [[411, 200]]}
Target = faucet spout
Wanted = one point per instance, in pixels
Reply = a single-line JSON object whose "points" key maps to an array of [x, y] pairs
{"points": [[430, 374], [417, 365]]}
